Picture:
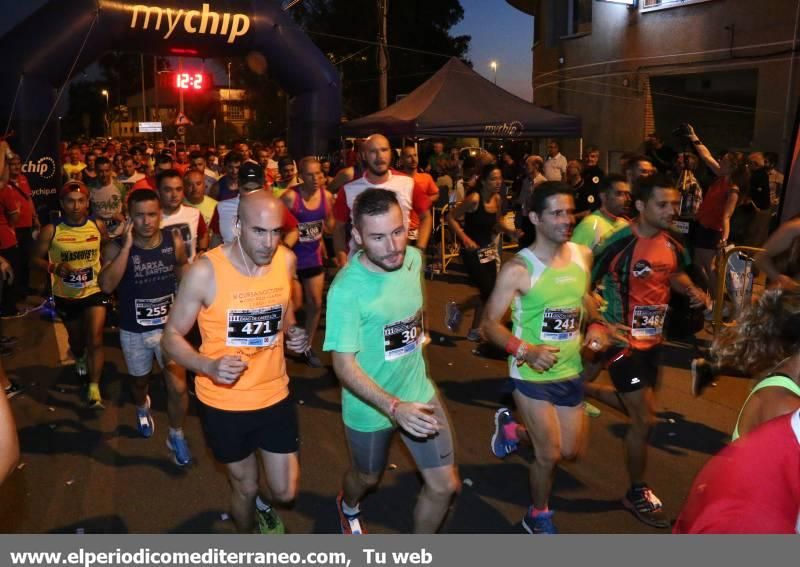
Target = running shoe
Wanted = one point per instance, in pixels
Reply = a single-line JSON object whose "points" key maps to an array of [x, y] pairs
{"points": [[351, 524], [539, 525], [502, 446], [591, 410], [702, 376], [180, 449], [646, 506], [452, 316], [13, 389], [269, 523], [144, 421], [93, 399], [311, 358], [474, 335], [82, 366]]}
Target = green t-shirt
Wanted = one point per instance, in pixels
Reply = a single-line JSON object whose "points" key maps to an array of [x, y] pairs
{"points": [[378, 316], [593, 229]]}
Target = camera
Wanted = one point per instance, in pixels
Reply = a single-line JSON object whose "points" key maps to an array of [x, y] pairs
{"points": [[683, 131]]}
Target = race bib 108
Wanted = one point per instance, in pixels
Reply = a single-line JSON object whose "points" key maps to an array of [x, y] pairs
{"points": [[309, 231]]}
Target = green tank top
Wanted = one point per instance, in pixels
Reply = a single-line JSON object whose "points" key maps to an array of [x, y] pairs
{"points": [[550, 314], [777, 380]]}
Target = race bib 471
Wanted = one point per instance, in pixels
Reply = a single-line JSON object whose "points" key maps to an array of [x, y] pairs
{"points": [[256, 327]]}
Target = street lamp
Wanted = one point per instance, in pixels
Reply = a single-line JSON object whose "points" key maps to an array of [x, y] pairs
{"points": [[106, 127], [493, 65]]}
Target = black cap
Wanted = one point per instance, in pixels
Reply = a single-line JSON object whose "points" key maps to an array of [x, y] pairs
{"points": [[251, 175]]}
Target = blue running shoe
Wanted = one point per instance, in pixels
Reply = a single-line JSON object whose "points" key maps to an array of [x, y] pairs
{"points": [[541, 524], [502, 446], [144, 421], [180, 449]]}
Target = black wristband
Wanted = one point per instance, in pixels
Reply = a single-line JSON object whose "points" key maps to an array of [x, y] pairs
{"points": [[697, 143]]}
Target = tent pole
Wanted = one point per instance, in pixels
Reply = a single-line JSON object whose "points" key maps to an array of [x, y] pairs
{"points": [[580, 149]]}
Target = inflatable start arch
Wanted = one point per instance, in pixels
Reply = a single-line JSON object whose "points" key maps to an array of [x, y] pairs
{"points": [[50, 47]]}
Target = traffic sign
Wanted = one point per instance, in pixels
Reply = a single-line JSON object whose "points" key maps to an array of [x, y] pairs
{"points": [[181, 130], [182, 120]]}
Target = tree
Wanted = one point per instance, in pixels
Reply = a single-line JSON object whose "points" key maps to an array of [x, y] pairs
{"points": [[421, 25]]}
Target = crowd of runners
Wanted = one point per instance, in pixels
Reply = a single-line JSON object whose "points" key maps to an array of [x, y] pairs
{"points": [[215, 262]]}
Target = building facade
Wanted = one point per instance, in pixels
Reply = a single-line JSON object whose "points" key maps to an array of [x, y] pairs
{"points": [[226, 105], [631, 67]]}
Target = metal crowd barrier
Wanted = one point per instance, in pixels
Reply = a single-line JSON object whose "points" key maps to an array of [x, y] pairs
{"points": [[722, 271], [449, 247]]}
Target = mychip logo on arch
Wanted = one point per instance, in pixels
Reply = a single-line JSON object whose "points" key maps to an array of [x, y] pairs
{"points": [[203, 21]]}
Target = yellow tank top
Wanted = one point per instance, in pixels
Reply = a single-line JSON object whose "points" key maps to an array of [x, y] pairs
{"points": [[78, 246], [246, 319]]}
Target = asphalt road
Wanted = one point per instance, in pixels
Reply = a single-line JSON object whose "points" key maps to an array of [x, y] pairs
{"points": [[90, 472]]}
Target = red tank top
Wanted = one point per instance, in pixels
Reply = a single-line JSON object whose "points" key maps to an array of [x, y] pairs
{"points": [[712, 209]]}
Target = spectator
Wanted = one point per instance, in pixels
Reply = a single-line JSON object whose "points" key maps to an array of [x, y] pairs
{"points": [[433, 161], [587, 199], [593, 174], [9, 214], [555, 166], [775, 178], [713, 220], [689, 186], [661, 156], [27, 223], [637, 167]]}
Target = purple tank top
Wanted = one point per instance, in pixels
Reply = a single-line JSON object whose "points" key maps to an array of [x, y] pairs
{"points": [[309, 224]]}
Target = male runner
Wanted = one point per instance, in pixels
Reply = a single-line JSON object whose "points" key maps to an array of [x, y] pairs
{"points": [[174, 213], [638, 266], [194, 189], [376, 152], [144, 269], [374, 329], [312, 205], [72, 248], [615, 199], [239, 294], [548, 285]]}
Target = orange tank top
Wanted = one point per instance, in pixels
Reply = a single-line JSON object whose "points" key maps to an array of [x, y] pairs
{"points": [[246, 319]]}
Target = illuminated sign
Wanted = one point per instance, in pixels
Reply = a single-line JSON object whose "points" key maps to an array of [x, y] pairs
{"points": [[625, 2], [145, 127], [186, 80], [193, 21]]}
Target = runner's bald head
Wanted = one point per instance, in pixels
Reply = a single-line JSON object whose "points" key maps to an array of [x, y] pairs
{"points": [[375, 140], [260, 208]]}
